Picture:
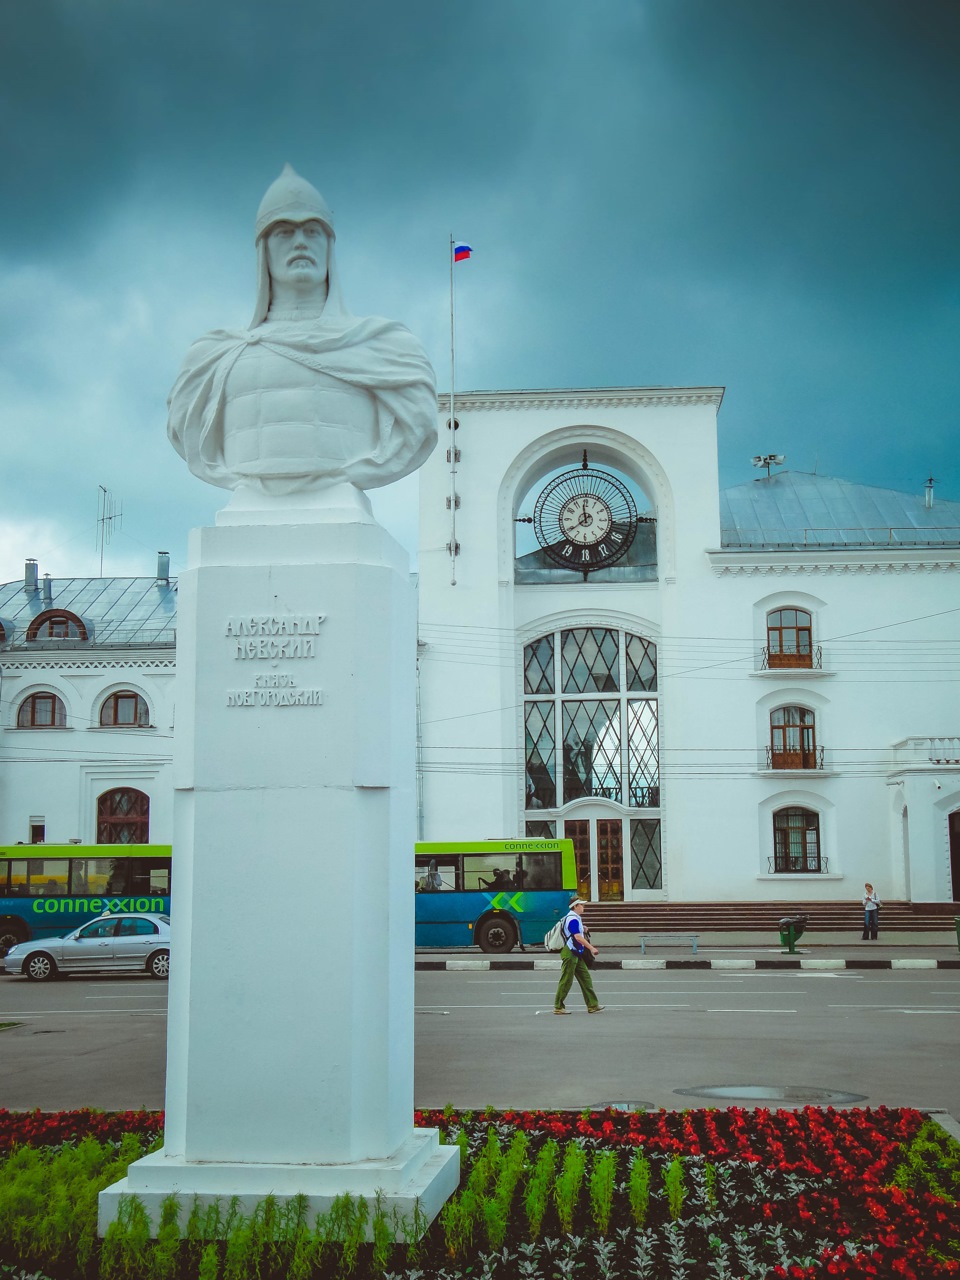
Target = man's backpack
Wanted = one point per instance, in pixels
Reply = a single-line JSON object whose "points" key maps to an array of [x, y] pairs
{"points": [[556, 938]]}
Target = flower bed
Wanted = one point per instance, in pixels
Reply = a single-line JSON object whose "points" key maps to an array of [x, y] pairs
{"points": [[718, 1194]]}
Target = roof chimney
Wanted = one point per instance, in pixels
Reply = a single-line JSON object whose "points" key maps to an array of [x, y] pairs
{"points": [[928, 496], [47, 590], [163, 566], [30, 572]]}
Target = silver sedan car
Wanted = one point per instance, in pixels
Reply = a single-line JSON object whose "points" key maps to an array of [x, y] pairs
{"points": [[114, 941]]}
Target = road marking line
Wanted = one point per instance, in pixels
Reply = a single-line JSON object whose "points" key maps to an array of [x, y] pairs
{"points": [[751, 1011]]}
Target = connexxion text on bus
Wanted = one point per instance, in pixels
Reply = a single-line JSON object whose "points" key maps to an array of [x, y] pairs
{"points": [[495, 893], [46, 890]]}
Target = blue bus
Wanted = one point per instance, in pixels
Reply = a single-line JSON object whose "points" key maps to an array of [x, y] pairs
{"points": [[494, 894], [46, 890]]}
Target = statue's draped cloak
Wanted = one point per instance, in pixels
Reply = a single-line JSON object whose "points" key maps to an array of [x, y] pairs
{"points": [[378, 355]]}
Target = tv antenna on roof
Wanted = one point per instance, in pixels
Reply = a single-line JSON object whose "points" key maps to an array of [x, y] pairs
{"points": [[109, 513], [768, 460]]}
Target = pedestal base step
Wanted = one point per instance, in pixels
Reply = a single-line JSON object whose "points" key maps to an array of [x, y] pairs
{"points": [[422, 1173]]}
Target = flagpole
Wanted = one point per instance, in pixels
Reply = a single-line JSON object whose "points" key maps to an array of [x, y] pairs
{"points": [[453, 433]]}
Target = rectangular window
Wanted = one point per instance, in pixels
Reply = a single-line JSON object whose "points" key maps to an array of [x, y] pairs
{"points": [[47, 877], [437, 875], [541, 871], [489, 871], [148, 876], [591, 750], [541, 830], [98, 876], [541, 756], [579, 833], [644, 753], [646, 864]]}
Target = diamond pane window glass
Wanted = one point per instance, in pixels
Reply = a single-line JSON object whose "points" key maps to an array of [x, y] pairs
{"points": [[641, 665], [644, 753], [541, 756], [590, 660], [541, 830], [646, 866], [123, 817], [538, 666], [591, 750]]}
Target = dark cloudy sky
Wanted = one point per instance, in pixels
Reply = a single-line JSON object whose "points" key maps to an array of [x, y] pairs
{"points": [[761, 194]]}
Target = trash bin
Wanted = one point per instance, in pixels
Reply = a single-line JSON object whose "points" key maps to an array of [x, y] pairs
{"points": [[791, 931]]}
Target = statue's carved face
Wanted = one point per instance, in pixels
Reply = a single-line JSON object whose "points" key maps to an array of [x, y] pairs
{"points": [[297, 253]]}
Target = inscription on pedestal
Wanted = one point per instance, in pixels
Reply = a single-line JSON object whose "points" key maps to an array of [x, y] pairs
{"points": [[274, 638]]}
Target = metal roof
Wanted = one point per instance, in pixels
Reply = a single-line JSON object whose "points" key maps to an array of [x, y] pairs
{"points": [[798, 509], [114, 610]]}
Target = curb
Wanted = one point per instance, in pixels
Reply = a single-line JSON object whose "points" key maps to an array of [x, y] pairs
{"points": [[647, 962]]}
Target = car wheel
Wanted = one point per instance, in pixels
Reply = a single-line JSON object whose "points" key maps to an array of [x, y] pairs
{"points": [[496, 934], [158, 966], [40, 967]]}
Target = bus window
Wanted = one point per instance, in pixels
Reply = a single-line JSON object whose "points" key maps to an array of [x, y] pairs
{"points": [[435, 876], [489, 871], [541, 871], [47, 877], [18, 877], [98, 876], [149, 875]]}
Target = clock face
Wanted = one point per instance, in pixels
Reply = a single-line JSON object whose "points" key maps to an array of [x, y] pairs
{"points": [[585, 519]]}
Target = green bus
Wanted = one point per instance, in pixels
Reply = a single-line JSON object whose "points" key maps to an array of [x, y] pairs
{"points": [[494, 894], [46, 890]]}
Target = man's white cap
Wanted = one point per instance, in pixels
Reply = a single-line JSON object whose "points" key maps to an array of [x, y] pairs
{"points": [[292, 199]]}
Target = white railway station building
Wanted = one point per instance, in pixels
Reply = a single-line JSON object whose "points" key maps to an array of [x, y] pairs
{"points": [[738, 695]]}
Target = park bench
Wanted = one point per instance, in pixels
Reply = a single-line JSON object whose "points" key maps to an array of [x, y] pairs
{"points": [[668, 937]]}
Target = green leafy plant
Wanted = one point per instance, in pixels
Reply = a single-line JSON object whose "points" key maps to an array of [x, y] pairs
{"points": [[638, 1188], [675, 1186], [567, 1190], [603, 1178], [537, 1193]]}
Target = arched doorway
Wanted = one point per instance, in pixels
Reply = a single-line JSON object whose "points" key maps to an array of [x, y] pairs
{"points": [[123, 817]]}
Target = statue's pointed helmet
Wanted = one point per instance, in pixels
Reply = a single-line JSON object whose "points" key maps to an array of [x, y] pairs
{"points": [[291, 198]]}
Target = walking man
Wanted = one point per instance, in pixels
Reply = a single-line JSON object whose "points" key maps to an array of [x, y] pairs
{"points": [[573, 964]]}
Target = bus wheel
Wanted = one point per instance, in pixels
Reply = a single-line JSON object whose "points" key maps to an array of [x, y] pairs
{"points": [[496, 934], [158, 966], [40, 967], [11, 932]]}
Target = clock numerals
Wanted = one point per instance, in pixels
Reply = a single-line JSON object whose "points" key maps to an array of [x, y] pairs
{"points": [[585, 519]]}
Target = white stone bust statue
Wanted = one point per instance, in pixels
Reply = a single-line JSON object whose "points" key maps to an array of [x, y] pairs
{"points": [[309, 396]]}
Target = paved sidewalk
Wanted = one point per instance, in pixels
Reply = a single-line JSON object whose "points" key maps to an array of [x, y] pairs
{"points": [[724, 951]]}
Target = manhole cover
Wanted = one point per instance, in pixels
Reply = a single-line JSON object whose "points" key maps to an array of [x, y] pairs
{"points": [[626, 1106], [771, 1093]]}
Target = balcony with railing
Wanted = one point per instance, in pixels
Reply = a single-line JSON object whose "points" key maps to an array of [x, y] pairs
{"points": [[801, 758], [803, 864], [810, 659]]}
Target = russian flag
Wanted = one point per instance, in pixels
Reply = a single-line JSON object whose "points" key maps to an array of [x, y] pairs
{"points": [[461, 252]]}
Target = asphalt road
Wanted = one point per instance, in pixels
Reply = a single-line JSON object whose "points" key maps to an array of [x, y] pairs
{"points": [[892, 1037]]}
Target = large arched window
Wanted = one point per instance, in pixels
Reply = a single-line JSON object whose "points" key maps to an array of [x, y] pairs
{"points": [[789, 638], [793, 739], [57, 624], [590, 700], [592, 734], [123, 817], [42, 711], [796, 841], [125, 710]]}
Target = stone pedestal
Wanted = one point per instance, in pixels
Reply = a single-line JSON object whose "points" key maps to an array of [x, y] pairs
{"points": [[290, 1039]]}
